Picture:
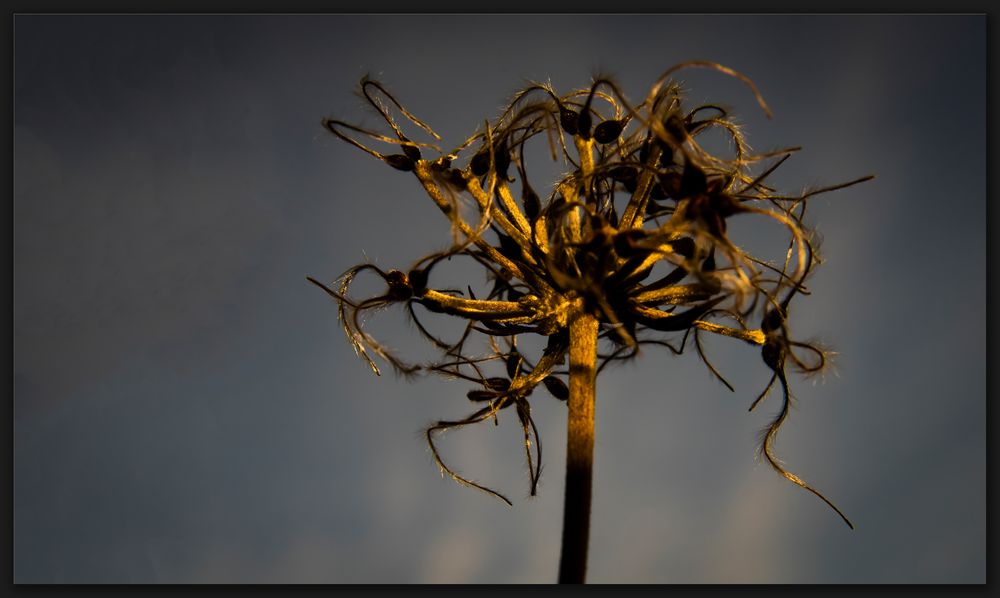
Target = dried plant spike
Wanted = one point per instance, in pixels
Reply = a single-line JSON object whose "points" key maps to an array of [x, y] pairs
{"points": [[630, 251]]}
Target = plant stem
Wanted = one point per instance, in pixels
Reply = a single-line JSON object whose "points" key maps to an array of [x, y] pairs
{"points": [[579, 447]]}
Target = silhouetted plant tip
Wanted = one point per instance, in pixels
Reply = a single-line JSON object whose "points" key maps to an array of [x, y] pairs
{"points": [[580, 266]]}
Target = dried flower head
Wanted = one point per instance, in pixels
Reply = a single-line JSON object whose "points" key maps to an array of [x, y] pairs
{"points": [[633, 238]]}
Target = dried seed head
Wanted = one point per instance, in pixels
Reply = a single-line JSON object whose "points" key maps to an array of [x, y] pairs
{"points": [[590, 246]]}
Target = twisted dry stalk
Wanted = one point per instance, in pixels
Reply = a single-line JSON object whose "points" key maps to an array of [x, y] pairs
{"points": [[576, 268]]}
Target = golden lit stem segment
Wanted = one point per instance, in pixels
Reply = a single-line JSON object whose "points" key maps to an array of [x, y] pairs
{"points": [[677, 294], [579, 447], [518, 232], [475, 309], [632, 217], [585, 149], [754, 337], [503, 190], [425, 175]]}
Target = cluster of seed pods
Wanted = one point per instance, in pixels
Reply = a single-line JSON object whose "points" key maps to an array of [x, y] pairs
{"points": [[634, 232]]}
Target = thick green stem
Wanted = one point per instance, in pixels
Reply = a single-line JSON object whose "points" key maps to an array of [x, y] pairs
{"points": [[579, 447]]}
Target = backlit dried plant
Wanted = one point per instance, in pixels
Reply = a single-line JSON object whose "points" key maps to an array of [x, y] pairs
{"points": [[629, 248]]}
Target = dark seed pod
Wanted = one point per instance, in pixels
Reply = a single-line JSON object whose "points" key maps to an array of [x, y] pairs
{"points": [[683, 246], [499, 384], [693, 181], [714, 185], [773, 353], [644, 150], [715, 224], [412, 151], [708, 264], [568, 120], [532, 204], [514, 294], [608, 131], [399, 286], [653, 208], [583, 124], [480, 163], [557, 338], [666, 155], [556, 387], [724, 205], [613, 217], [597, 221], [671, 183], [481, 395], [513, 364], [658, 193], [625, 242], [624, 173], [501, 158], [456, 178], [557, 204], [509, 248], [674, 125], [399, 162], [772, 321], [418, 281]]}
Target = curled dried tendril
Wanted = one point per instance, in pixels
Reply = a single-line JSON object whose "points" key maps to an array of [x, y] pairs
{"points": [[635, 231]]}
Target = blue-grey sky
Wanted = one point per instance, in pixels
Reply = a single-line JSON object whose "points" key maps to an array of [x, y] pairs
{"points": [[187, 409]]}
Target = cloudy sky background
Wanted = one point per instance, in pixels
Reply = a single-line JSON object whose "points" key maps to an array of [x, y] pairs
{"points": [[187, 409]]}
